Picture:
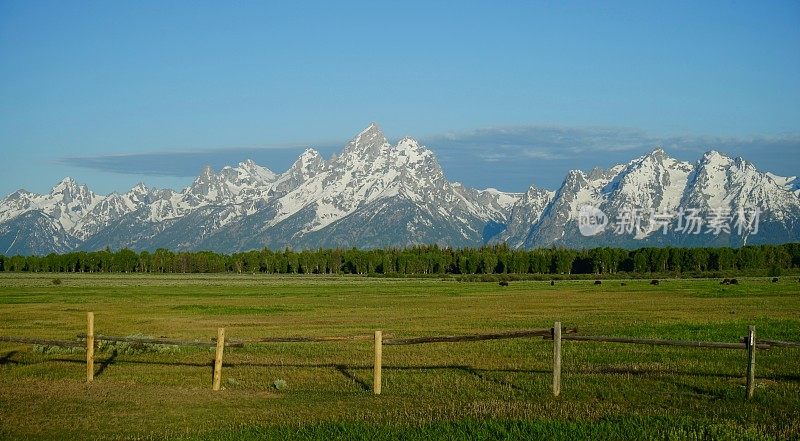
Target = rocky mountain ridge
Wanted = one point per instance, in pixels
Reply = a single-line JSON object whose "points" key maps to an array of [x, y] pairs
{"points": [[375, 194]]}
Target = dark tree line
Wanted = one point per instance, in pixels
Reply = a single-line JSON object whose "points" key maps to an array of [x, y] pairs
{"points": [[420, 260]]}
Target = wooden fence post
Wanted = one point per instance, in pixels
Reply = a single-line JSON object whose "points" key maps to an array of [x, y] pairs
{"points": [[89, 347], [218, 358], [557, 359], [376, 371], [751, 360]]}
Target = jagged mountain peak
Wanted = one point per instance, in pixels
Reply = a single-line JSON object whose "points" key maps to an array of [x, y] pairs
{"points": [[19, 194], [413, 151], [208, 187], [67, 185], [713, 154], [410, 145], [139, 194], [309, 154], [377, 194], [715, 158], [205, 177], [656, 165], [66, 181], [248, 173], [657, 156], [68, 191], [252, 167], [308, 164], [140, 188], [310, 151], [370, 142], [372, 128], [575, 174], [574, 178], [714, 162]]}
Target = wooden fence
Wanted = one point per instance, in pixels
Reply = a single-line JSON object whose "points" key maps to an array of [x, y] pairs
{"points": [[557, 334]]}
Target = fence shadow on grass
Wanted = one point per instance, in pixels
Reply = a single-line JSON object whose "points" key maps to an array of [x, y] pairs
{"points": [[345, 371], [697, 390], [649, 372], [481, 373], [6, 359], [106, 363], [664, 372]]}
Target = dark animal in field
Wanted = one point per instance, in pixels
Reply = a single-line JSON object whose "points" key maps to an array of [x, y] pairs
{"points": [[552, 283], [775, 280], [503, 283], [623, 284], [597, 282], [725, 282], [654, 282], [734, 282]]}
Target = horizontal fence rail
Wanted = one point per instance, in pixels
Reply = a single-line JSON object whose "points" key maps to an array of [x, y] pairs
{"points": [[556, 334], [781, 343], [658, 342], [474, 337], [162, 341], [309, 339], [43, 342]]}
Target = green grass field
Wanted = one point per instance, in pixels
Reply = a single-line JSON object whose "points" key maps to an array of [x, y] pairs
{"points": [[477, 390]]}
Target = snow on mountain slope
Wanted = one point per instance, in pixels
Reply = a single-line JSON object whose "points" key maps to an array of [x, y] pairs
{"points": [[790, 183], [310, 196], [66, 203], [722, 182], [579, 189], [524, 213], [307, 166], [326, 202], [377, 194], [653, 183], [112, 207], [370, 168], [17, 203], [34, 232], [645, 199]]}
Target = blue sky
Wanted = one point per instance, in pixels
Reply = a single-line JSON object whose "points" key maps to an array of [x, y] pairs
{"points": [[508, 94]]}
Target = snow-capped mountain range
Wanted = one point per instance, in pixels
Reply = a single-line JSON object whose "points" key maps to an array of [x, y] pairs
{"points": [[375, 194]]}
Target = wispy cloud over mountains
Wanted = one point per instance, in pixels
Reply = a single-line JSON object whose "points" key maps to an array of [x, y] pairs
{"points": [[512, 155], [186, 163], [556, 142], [507, 157]]}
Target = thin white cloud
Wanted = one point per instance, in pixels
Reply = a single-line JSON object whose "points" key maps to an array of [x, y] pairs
{"points": [[493, 156], [534, 153], [551, 143]]}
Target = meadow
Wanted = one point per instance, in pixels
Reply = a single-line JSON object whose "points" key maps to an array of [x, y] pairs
{"points": [[478, 390]]}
